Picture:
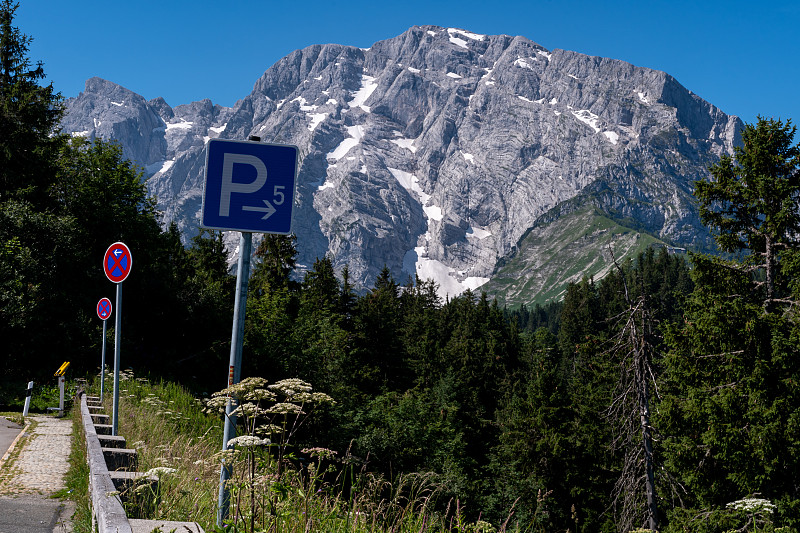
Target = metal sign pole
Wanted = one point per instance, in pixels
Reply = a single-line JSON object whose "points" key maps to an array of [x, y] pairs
{"points": [[117, 339], [103, 363], [235, 369], [61, 380]]}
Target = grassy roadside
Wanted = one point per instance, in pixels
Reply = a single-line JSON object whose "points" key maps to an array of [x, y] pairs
{"points": [[275, 487], [76, 479]]}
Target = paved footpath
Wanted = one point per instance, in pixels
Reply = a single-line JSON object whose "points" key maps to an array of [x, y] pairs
{"points": [[30, 472]]}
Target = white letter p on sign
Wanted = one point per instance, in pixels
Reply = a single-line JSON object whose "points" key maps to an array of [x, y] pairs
{"points": [[229, 187]]}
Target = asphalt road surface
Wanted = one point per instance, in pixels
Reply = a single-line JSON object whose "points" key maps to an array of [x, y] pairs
{"points": [[8, 432], [31, 513]]}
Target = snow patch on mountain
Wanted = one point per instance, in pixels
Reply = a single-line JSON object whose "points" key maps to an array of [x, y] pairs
{"points": [[404, 143], [356, 135], [182, 125], [588, 118], [477, 233], [368, 87], [316, 119]]}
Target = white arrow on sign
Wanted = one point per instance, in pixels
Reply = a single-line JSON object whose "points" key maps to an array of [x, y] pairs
{"points": [[268, 211], [118, 252]]}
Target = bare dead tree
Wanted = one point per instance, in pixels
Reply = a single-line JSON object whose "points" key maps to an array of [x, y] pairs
{"points": [[633, 346]]}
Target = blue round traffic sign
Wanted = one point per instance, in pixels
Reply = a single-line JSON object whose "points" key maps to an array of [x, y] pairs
{"points": [[117, 262], [104, 308]]}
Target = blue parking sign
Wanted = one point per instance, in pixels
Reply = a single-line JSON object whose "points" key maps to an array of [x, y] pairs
{"points": [[249, 186]]}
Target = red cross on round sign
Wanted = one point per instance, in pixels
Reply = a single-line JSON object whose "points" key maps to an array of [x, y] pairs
{"points": [[117, 262], [104, 308]]}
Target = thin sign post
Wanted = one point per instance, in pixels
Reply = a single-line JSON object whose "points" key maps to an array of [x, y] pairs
{"points": [[61, 381], [249, 187], [103, 312], [117, 265], [235, 367]]}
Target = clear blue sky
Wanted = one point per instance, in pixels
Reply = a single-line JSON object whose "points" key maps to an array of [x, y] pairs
{"points": [[743, 57]]}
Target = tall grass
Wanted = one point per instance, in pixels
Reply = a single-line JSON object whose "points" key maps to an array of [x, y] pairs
{"points": [[274, 488], [76, 479]]}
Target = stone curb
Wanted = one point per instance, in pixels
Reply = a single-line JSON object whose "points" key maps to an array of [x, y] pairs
{"points": [[107, 511], [108, 514]]}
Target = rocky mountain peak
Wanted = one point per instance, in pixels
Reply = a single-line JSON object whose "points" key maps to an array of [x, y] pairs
{"points": [[436, 151]]}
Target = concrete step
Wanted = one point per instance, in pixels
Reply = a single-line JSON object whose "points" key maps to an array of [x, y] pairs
{"points": [[95, 408], [103, 429], [120, 459], [100, 419], [124, 481], [147, 526], [111, 441]]}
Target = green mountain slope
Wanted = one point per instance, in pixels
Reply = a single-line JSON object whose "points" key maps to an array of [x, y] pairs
{"points": [[556, 253]]}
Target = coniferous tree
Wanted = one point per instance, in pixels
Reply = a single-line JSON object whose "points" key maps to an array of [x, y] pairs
{"points": [[752, 203], [29, 116], [730, 396], [381, 359], [272, 309], [323, 343]]}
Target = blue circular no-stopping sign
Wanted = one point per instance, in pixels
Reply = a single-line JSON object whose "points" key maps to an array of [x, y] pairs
{"points": [[104, 308], [117, 262]]}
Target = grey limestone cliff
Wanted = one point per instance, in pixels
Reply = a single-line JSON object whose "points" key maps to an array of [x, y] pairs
{"points": [[435, 151]]}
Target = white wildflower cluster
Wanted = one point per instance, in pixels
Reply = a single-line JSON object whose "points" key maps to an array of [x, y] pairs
{"points": [[285, 409], [482, 526], [159, 471], [301, 397], [153, 401], [291, 386], [239, 390], [160, 408], [247, 397], [753, 505], [175, 416], [269, 429], [324, 453], [259, 394], [246, 441], [227, 456], [321, 397], [250, 410], [215, 405]]}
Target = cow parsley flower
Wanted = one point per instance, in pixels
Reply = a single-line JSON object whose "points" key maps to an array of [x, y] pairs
{"points": [[285, 409], [250, 410], [259, 394], [247, 441], [320, 452], [160, 471], [753, 505], [269, 429], [291, 386]]}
